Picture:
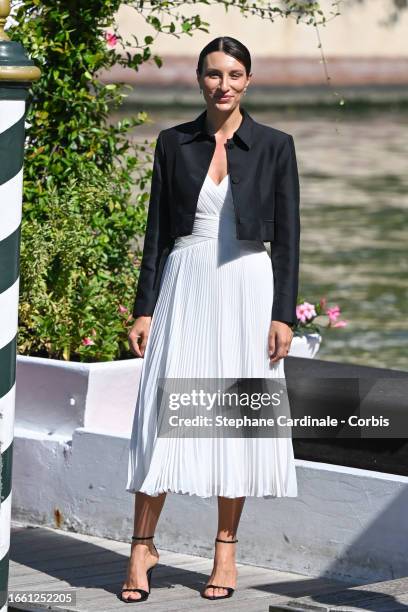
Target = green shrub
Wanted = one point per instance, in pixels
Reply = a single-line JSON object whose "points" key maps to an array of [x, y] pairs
{"points": [[78, 251], [78, 271]]}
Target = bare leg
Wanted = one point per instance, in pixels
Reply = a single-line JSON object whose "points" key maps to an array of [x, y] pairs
{"points": [[143, 553], [224, 570]]}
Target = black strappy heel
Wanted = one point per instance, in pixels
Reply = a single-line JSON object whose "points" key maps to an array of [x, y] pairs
{"points": [[144, 594], [218, 586]]}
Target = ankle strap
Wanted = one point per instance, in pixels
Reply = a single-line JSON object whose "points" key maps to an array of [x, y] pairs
{"points": [[142, 537], [226, 541]]}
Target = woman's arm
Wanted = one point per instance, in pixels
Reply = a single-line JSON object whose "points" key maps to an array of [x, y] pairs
{"points": [[285, 247], [157, 238]]}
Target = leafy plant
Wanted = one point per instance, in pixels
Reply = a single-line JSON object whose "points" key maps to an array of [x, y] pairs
{"points": [[80, 217], [78, 269]]}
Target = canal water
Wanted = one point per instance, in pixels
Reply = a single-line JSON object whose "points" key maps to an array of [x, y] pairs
{"points": [[354, 203]]}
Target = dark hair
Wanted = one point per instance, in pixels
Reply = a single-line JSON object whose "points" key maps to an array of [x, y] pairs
{"points": [[229, 45]]}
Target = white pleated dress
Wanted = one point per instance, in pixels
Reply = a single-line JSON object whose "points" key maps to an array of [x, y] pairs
{"points": [[211, 319]]}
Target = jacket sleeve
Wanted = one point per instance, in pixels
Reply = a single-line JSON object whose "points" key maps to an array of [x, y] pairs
{"points": [[157, 238], [285, 247]]}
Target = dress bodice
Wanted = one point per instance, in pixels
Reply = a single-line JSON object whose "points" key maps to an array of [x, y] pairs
{"points": [[214, 198], [215, 219], [214, 212]]}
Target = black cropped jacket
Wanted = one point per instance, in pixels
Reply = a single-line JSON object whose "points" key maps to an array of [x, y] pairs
{"points": [[265, 189]]}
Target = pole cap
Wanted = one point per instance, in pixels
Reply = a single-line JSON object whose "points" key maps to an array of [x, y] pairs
{"points": [[15, 66]]}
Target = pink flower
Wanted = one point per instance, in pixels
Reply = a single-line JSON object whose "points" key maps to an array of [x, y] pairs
{"points": [[333, 313], [87, 341], [111, 39], [305, 312], [122, 308], [340, 324]]}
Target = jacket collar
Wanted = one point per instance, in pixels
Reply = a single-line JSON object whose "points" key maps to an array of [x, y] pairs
{"points": [[197, 127]]}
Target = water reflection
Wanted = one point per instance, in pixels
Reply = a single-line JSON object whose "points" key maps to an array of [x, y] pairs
{"points": [[354, 201]]}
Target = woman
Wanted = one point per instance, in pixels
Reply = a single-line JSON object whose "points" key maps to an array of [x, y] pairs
{"points": [[209, 304]]}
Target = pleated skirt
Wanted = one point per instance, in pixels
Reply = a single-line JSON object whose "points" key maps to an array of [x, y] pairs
{"points": [[211, 319]]}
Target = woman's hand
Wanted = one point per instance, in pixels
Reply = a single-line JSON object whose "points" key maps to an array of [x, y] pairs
{"points": [[138, 335], [279, 340]]}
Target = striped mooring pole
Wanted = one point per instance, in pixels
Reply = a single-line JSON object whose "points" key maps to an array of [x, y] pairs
{"points": [[17, 72]]}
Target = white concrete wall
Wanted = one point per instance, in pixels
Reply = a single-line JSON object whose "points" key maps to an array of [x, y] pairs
{"points": [[345, 523]]}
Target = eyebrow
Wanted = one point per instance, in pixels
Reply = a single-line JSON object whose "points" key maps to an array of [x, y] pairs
{"points": [[232, 70]]}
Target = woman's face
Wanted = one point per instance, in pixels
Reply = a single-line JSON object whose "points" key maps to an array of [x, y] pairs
{"points": [[223, 80]]}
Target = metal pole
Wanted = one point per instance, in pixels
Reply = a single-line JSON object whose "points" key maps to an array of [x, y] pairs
{"points": [[17, 72]]}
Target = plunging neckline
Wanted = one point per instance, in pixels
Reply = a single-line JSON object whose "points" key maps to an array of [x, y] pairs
{"points": [[220, 183]]}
